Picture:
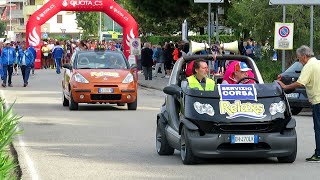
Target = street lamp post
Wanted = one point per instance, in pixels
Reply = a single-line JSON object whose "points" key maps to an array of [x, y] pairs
{"points": [[63, 32]]}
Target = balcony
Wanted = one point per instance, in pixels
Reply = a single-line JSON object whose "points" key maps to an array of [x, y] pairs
{"points": [[14, 1], [16, 14], [30, 9]]}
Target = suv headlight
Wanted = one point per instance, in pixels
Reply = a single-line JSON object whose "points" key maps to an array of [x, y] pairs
{"points": [[128, 79], [279, 107], [79, 78], [203, 108]]}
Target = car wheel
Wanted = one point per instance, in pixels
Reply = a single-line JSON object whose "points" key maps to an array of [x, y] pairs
{"points": [[65, 101], [133, 106], [72, 105], [292, 157], [187, 156], [162, 145], [295, 110]]}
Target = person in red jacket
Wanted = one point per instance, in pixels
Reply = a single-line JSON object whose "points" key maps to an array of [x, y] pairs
{"points": [[240, 70]]}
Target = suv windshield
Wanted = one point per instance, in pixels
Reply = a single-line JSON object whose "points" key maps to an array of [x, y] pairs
{"points": [[100, 60], [296, 66]]}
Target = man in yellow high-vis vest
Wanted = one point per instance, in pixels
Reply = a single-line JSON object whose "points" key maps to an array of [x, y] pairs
{"points": [[200, 79]]}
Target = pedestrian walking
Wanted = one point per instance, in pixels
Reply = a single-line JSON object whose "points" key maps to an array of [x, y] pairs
{"points": [[147, 61], [8, 56], [25, 62], [34, 53], [57, 54], [309, 79], [160, 59]]}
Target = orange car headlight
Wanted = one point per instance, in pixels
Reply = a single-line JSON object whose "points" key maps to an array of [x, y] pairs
{"points": [[79, 78], [128, 79]]}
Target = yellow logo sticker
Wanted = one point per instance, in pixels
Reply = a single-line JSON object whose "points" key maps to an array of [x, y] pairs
{"points": [[238, 109], [100, 74]]}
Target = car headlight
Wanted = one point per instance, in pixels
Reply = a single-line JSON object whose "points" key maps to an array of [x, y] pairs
{"points": [[128, 79], [203, 108], [279, 107], [79, 78]]}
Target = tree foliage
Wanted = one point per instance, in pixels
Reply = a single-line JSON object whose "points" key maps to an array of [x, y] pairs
{"points": [[163, 17], [258, 18], [88, 22], [2, 28]]}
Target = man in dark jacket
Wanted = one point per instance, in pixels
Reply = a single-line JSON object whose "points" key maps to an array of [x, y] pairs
{"points": [[147, 61]]}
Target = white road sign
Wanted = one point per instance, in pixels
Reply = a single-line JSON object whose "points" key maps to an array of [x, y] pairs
{"points": [[135, 46], [283, 36], [295, 2]]}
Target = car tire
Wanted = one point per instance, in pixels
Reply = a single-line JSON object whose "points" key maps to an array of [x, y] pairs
{"points": [[65, 101], [292, 157], [72, 105], [295, 110], [133, 106], [187, 156], [162, 145]]}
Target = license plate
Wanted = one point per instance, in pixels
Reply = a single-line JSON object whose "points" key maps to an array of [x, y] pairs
{"points": [[292, 95], [105, 90], [235, 139]]}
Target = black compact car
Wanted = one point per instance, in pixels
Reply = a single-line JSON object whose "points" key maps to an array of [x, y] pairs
{"points": [[233, 121], [297, 98]]}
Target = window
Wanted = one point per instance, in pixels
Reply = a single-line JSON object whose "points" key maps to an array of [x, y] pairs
{"points": [[32, 2], [59, 18], [21, 21]]}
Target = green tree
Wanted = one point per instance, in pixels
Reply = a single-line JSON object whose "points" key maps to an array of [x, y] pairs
{"points": [[163, 17], [2, 28], [88, 22]]}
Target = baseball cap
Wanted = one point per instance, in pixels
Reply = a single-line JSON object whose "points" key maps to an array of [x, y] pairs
{"points": [[241, 66], [45, 43], [7, 42]]}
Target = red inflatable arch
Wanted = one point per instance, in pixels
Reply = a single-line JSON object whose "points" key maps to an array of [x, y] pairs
{"points": [[52, 7]]}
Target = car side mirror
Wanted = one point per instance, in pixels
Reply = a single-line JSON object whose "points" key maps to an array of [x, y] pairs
{"points": [[67, 66], [173, 90], [133, 66]]}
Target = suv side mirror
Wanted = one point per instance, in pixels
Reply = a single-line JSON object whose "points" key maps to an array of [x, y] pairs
{"points": [[173, 89], [67, 66]]}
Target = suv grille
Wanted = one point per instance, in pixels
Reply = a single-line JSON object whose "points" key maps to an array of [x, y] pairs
{"points": [[268, 126], [105, 96]]}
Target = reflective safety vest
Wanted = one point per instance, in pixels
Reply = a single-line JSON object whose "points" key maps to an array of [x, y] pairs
{"points": [[194, 83]]}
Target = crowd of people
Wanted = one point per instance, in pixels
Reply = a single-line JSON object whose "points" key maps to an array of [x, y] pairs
{"points": [[15, 56]]}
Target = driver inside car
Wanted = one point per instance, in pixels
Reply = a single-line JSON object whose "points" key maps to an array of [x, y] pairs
{"points": [[241, 70], [199, 80]]}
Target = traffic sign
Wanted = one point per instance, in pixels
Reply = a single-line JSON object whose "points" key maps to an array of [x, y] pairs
{"points": [[45, 35], [283, 36], [135, 46], [294, 2]]}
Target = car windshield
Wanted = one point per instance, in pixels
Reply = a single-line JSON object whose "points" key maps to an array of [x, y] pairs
{"points": [[297, 66], [101, 60]]}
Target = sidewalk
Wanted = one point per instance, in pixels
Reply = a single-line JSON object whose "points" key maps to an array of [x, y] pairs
{"points": [[157, 83]]}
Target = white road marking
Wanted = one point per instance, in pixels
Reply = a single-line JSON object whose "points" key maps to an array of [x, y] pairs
{"points": [[29, 161]]}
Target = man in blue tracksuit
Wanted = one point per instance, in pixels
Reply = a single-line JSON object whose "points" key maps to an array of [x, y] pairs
{"points": [[57, 53], [26, 62], [34, 53], [8, 57]]}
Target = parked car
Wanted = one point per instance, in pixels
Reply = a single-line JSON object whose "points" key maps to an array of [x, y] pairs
{"points": [[99, 77], [233, 121], [297, 98]]}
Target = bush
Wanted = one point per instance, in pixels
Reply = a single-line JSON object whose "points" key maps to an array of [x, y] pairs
{"points": [[269, 69], [8, 129]]}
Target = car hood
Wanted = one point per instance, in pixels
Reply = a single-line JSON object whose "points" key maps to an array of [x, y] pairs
{"points": [[104, 75]]}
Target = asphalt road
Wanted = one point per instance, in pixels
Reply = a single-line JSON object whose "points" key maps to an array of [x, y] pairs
{"points": [[110, 142]]}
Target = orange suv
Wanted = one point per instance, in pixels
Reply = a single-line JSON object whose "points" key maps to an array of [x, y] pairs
{"points": [[99, 77]]}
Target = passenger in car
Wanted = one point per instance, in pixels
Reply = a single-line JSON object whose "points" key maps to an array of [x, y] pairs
{"points": [[199, 79], [236, 71]]}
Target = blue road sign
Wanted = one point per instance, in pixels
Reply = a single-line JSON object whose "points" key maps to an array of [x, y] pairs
{"points": [[45, 35]]}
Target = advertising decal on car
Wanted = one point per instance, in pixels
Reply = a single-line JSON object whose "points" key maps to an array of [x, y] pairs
{"points": [[239, 109], [100, 74], [237, 92]]}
